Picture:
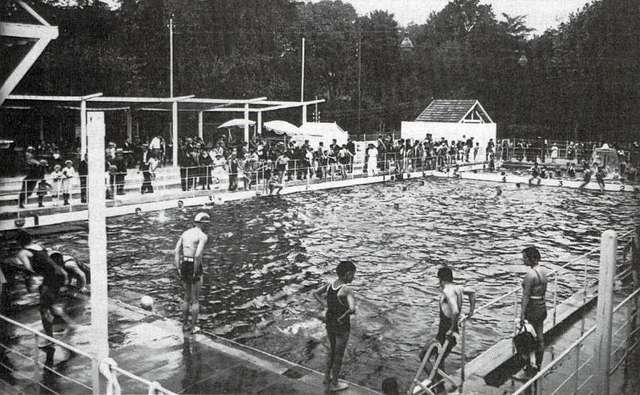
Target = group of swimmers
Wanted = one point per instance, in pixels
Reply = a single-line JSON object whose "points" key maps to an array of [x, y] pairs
{"points": [[60, 274], [542, 172], [338, 301], [336, 298]]}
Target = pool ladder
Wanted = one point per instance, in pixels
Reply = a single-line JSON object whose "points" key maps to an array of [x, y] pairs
{"points": [[426, 386]]}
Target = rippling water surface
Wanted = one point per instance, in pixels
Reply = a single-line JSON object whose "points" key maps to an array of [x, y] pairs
{"points": [[265, 256]]}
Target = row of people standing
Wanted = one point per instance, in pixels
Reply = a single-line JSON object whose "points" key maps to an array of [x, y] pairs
{"points": [[62, 180]]}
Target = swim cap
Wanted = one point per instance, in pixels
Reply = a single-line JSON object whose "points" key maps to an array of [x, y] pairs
{"points": [[202, 217]]}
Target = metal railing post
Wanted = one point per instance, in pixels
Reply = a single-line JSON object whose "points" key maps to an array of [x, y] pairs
{"points": [[576, 373], [515, 319], [555, 297], [36, 368], [463, 355], [586, 281]]}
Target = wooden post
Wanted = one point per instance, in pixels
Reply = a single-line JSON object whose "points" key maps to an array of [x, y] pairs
{"points": [[42, 129], [246, 124], [201, 124], [259, 124], [83, 129], [129, 125], [174, 133], [602, 352], [304, 114], [98, 243]]}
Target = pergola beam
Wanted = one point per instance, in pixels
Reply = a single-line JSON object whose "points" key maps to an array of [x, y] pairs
{"points": [[24, 30]]}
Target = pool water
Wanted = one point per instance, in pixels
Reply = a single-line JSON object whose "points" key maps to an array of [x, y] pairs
{"points": [[265, 256]]}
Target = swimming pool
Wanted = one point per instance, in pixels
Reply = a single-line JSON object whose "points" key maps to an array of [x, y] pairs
{"points": [[266, 255]]}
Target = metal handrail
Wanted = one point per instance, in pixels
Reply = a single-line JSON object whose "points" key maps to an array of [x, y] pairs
{"points": [[151, 385], [572, 346]]}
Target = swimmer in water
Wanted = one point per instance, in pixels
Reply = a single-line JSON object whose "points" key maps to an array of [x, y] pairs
{"points": [[498, 191], [535, 174], [275, 183], [188, 262], [138, 212], [340, 304], [586, 174], [600, 175]]}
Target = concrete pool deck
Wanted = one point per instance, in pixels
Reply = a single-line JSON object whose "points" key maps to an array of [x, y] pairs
{"points": [[155, 349]]}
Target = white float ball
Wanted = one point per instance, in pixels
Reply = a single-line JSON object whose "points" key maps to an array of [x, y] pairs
{"points": [[146, 302]]}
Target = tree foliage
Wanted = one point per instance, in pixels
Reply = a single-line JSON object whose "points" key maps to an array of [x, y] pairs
{"points": [[580, 80]]}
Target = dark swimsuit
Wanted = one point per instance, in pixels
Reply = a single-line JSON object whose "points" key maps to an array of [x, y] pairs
{"points": [[51, 283], [536, 311], [186, 269], [335, 310]]}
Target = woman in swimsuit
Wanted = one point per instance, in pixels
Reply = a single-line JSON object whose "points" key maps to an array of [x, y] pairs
{"points": [[534, 310]]}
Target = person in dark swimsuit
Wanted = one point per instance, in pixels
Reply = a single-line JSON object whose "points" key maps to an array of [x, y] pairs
{"points": [[33, 258], [340, 305], [534, 310], [450, 310]]}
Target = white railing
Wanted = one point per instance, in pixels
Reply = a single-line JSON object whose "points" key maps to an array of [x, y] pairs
{"points": [[108, 368], [194, 178], [572, 355]]}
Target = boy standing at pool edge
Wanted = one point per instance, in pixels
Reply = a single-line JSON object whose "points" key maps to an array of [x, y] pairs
{"points": [[340, 305], [189, 267]]}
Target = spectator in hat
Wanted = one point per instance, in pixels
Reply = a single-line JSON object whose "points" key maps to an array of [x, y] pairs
{"points": [[68, 172], [111, 151], [57, 176], [121, 171]]}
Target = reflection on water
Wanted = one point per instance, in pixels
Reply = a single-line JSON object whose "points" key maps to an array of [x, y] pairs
{"points": [[266, 255]]}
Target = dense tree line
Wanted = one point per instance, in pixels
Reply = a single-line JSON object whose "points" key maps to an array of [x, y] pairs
{"points": [[579, 80]]}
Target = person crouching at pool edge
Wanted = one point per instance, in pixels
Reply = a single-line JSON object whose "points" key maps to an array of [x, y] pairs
{"points": [[533, 309], [340, 303]]}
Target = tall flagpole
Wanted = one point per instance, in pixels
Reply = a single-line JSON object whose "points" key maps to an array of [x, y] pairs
{"points": [[171, 56]]}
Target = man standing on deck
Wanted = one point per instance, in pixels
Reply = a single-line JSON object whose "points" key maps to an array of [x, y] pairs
{"points": [[450, 310], [191, 245]]}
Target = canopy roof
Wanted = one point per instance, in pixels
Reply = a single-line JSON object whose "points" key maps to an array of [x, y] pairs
{"points": [[98, 102]]}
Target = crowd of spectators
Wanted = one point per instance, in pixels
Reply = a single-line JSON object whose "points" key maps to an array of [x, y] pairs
{"points": [[49, 170]]}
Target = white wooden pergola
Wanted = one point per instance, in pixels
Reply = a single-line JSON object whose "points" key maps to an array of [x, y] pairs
{"points": [[98, 102], [22, 34]]}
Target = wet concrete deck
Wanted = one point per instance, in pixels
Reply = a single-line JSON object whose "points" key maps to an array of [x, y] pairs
{"points": [[156, 349]]}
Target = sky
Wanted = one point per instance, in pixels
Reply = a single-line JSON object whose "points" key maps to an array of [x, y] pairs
{"points": [[541, 14]]}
